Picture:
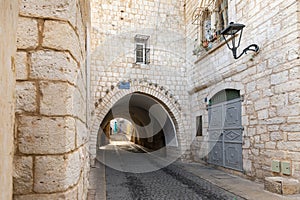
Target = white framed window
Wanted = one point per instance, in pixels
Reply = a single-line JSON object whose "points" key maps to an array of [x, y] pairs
{"points": [[140, 55], [142, 52]]}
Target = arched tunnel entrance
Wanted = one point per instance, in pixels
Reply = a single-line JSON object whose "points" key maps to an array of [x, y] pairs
{"points": [[121, 129], [152, 131]]}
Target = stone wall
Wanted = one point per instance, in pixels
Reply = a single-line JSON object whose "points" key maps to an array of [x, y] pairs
{"points": [[51, 157], [114, 26], [269, 82], [8, 26]]}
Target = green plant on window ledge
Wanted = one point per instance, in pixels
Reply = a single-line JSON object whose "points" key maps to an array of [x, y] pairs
{"points": [[206, 45], [198, 49], [201, 48]]}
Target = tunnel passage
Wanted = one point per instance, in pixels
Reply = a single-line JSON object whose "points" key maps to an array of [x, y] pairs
{"points": [[152, 124]]}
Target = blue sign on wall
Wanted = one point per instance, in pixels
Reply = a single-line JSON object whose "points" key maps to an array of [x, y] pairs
{"points": [[124, 85]]}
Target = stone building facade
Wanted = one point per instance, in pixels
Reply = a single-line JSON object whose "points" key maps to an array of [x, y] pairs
{"points": [[64, 70], [116, 28], [268, 83]]}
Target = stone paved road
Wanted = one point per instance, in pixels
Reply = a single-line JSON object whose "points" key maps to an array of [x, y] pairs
{"points": [[160, 184], [170, 183]]}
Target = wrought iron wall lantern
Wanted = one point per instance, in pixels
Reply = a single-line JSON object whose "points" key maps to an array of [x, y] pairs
{"points": [[231, 31]]}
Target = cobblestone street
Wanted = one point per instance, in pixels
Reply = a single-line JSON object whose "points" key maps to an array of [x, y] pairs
{"points": [[162, 182], [167, 183], [127, 171]]}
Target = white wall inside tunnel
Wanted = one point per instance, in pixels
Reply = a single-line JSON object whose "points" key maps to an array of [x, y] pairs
{"points": [[146, 114], [165, 121]]}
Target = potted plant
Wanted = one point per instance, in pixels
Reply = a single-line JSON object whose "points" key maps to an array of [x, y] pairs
{"points": [[205, 44]]}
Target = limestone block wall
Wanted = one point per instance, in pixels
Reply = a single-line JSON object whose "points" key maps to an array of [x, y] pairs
{"points": [[8, 26], [114, 26], [51, 157], [269, 82]]}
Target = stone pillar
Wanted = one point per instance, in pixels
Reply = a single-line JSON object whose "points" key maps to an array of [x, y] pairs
{"points": [[51, 158], [8, 25]]}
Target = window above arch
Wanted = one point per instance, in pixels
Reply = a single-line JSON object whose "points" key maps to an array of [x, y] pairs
{"points": [[142, 50]]}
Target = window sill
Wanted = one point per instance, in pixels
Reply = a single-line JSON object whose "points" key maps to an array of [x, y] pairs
{"points": [[140, 65], [212, 50]]}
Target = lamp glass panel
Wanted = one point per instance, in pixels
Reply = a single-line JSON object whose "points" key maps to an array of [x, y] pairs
{"points": [[232, 29]]}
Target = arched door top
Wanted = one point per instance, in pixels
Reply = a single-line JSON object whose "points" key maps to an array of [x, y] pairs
{"points": [[224, 95]]}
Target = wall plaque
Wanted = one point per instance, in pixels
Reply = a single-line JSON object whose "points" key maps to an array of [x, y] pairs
{"points": [[124, 85]]}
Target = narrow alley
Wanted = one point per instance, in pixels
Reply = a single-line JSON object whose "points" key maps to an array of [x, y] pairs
{"points": [[150, 99], [161, 182]]}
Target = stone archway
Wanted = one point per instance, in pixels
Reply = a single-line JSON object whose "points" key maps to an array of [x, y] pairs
{"points": [[149, 118], [158, 93]]}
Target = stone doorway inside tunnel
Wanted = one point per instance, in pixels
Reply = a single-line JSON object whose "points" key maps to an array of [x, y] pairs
{"points": [[137, 123]]}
